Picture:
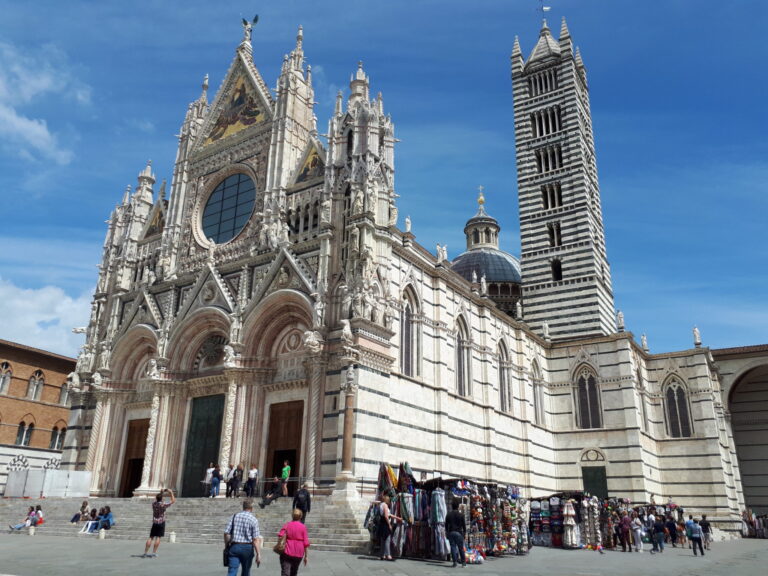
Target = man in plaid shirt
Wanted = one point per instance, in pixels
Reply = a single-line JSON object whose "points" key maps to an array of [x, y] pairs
{"points": [[244, 540]]}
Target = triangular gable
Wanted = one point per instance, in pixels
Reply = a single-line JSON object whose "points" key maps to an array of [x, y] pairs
{"points": [[243, 101], [209, 290], [155, 222], [143, 310], [285, 272], [311, 167]]}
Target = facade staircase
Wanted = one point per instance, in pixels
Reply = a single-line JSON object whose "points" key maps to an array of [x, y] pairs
{"points": [[201, 520]]}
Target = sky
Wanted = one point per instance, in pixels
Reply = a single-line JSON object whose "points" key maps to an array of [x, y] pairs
{"points": [[89, 91]]}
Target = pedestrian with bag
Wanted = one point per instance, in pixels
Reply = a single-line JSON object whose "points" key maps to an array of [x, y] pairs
{"points": [[242, 541], [292, 545], [302, 501]]}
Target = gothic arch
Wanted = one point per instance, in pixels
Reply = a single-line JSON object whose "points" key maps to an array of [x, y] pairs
{"points": [[131, 352], [505, 387], [587, 403], [463, 357], [269, 320], [189, 336]]}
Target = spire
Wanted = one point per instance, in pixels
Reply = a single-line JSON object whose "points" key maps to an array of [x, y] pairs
{"points": [[127, 195], [546, 47], [566, 44], [517, 57], [146, 174], [339, 100], [359, 84], [300, 39], [579, 61], [380, 104]]}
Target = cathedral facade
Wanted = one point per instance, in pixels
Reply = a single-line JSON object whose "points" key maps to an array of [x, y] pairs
{"points": [[271, 306]]}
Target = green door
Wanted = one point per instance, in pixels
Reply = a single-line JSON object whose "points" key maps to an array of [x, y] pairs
{"points": [[595, 481], [203, 437]]}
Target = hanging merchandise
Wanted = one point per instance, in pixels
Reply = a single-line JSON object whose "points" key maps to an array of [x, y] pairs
{"points": [[570, 529]]}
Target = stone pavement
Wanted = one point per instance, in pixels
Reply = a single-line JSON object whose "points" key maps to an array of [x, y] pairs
{"points": [[23, 555]]}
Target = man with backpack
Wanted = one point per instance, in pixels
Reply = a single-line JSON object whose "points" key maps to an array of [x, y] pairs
{"points": [[302, 501]]}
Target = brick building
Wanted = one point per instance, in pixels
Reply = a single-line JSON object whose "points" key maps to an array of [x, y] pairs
{"points": [[34, 407]]}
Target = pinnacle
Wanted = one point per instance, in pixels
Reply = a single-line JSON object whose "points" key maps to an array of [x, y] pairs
{"points": [[564, 33]]}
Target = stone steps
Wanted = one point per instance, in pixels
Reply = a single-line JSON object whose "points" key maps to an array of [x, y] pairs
{"points": [[200, 520]]}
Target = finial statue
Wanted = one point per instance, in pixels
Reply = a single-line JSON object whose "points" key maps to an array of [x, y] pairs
{"points": [[474, 277], [481, 196], [407, 223], [545, 330], [518, 310], [644, 342], [620, 320], [248, 28], [483, 285], [696, 337]]}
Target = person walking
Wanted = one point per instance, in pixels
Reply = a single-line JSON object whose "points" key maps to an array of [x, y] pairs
{"points": [[215, 481], [706, 528], [207, 479], [243, 541], [672, 529], [625, 526], [658, 535], [688, 526], [285, 476], [230, 477], [237, 481], [157, 532], [296, 544], [696, 537], [456, 529], [302, 501]]}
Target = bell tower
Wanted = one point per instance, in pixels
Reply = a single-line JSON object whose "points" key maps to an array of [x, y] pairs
{"points": [[565, 271]]}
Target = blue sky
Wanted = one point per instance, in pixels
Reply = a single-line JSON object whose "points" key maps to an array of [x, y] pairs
{"points": [[89, 91]]}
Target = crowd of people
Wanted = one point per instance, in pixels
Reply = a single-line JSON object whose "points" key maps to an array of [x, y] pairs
{"points": [[628, 530], [234, 478]]}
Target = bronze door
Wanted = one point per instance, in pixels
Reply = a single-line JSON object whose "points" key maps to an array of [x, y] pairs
{"points": [[203, 439]]}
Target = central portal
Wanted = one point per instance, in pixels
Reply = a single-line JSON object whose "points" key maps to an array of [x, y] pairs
{"points": [[203, 439], [284, 439]]}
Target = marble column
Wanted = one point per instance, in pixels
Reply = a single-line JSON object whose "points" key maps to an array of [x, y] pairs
{"points": [[96, 445], [316, 369], [225, 450], [149, 450], [345, 489]]}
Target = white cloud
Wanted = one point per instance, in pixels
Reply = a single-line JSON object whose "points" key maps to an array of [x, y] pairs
{"points": [[25, 78], [42, 317]]}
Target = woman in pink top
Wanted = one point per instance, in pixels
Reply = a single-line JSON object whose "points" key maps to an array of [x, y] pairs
{"points": [[296, 545]]}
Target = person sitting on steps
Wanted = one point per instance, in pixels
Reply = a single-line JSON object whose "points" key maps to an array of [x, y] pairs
{"points": [[30, 520], [274, 493]]}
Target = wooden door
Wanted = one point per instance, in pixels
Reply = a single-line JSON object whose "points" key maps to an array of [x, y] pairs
{"points": [[595, 481], [284, 439], [133, 460]]}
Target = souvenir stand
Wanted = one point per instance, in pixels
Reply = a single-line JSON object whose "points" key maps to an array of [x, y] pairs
{"points": [[566, 520], [496, 518]]}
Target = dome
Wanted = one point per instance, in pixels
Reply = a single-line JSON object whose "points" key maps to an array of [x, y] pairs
{"points": [[497, 266]]}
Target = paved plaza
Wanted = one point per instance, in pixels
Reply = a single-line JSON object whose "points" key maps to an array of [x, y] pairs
{"points": [[22, 555]]}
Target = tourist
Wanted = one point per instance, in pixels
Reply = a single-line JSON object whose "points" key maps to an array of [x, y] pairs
{"points": [[215, 481], [81, 516], [626, 532], [688, 527], [207, 479], [385, 528], [696, 536], [38, 520], [157, 532], [456, 530], [286, 476], [671, 526], [253, 481], [637, 532], [237, 480], [273, 494], [658, 535], [107, 520], [296, 544], [682, 534], [302, 501], [242, 539], [30, 520], [706, 528], [93, 519], [230, 478]]}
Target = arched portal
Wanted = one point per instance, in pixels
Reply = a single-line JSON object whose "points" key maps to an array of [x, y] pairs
{"points": [[748, 403]]}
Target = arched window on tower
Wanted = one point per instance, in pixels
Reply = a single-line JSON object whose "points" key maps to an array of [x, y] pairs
{"points": [[57, 438], [5, 377], [677, 412], [36, 383], [505, 395], [410, 342], [557, 270], [24, 433], [588, 410], [463, 359], [350, 143]]}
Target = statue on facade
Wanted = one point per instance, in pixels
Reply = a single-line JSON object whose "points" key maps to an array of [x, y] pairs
{"points": [[230, 357], [104, 357], [408, 224], [440, 256], [620, 320], [644, 342], [545, 329], [319, 306], [73, 382], [313, 341], [325, 211], [248, 28], [696, 337], [153, 372], [346, 333], [350, 382], [483, 285], [235, 327], [474, 277], [96, 381], [518, 310]]}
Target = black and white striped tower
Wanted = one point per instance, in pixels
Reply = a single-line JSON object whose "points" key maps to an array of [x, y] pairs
{"points": [[566, 277]]}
